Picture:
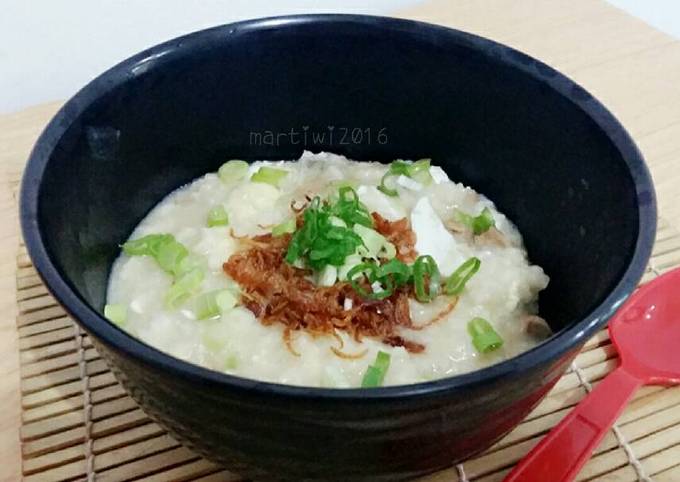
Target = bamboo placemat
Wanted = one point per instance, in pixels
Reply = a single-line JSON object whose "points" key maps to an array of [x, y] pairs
{"points": [[78, 422]]}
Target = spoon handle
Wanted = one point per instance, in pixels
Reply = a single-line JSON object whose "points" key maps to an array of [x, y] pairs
{"points": [[562, 453]]}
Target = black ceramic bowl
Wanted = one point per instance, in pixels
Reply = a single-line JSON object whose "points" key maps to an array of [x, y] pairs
{"points": [[549, 154]]}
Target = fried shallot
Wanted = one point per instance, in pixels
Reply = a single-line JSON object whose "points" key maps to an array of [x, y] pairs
{"points": [[277, 292]]}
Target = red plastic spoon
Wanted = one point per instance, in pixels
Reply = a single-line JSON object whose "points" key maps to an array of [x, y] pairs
{"points": [[646, 333]]}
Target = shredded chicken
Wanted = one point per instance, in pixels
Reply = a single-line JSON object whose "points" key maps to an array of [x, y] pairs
{"points": [[277, 292]]}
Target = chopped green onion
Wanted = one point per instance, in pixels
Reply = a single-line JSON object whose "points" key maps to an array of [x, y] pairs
{"points": [[170, 256], [319, 241], [233, 170], [370, 272], [168, 253], [336, 221], [388, 251], [230, 362], [362, 269], [350, 262], [426, 266], [327, 276], [420, 171], [173, 258], [375, 374], [182, 289], [478, 224], [400, 167], [284, 228], [147, 245], [214, 303], [384, 188], [189, 262], [350, 209], [218, 216], [269, 175], [484, 337], [456, 282], [398, 270], [373, 241], [116, 313]]}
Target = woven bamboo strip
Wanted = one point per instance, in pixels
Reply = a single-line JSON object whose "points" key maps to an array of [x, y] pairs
{"points": [[51, 351], [45, 339], [121, 439], [668, 475], [28, 282], [44, 327], [64, 391], [55, 364], [149, 465], [34, 304], [59, 377], [52, 312], [71, 419], [52, 443], [31, 292], [26, 272], [52, 409]]}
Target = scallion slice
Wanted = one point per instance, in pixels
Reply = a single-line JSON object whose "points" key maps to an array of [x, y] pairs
{"points": [[387, 183], [398, 270], [170, 256], [269, 175], [420, 171], [327, 276], [350, 209], [478, 224], [484, 337], [218, 216], [182, 289], [214, 303], [456, 282], [483, 222], [373, 241], [388, 188], [116, 313], [233, 170], [375, 374], [284, 228], [426, 266], [370, 272]]}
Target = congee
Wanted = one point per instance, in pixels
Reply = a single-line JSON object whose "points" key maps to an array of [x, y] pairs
{"points": [[329, 272]]}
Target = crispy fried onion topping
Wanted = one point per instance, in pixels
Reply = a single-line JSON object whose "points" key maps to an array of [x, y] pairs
{"points": [[400, 234], [277, 292]]}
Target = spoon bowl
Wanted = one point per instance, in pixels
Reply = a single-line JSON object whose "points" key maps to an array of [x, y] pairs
{"points": [[645, 332]]}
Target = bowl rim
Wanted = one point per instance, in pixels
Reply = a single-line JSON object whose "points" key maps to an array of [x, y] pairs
{"points": [[545, 353]]}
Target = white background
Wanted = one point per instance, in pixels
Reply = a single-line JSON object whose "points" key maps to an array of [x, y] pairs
{"points": [[50, 48]]}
